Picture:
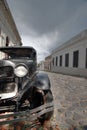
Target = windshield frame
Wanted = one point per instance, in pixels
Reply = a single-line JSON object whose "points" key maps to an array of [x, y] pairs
{"points": [[18, 52]]}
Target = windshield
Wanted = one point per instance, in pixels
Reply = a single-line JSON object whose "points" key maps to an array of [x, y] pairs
{"points": [[6, 56], [17, 52]]}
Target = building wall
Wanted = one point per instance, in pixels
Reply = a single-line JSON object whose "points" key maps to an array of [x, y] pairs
{"points": [[47, 63], [41, 66], [7, 26], [77, 43]]}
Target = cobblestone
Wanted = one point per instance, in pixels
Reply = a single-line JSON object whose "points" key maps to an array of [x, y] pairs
{"points": [[70, 99]]}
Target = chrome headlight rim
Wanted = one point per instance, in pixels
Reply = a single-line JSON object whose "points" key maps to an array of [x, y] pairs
{"points": [[21, 70]]}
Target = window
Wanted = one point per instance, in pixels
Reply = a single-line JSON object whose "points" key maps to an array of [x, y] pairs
{"points": [[75, 58], [7, 41], [53, 61], [61, 60], [0, 31], [67, 60], [56, 60], [86, 58]]}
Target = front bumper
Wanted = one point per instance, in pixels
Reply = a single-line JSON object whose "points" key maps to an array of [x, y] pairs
{"points": [[28, 115], [7, 105]]}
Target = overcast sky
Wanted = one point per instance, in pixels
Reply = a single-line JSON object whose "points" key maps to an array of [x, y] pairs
{"points": [[46, 24]]}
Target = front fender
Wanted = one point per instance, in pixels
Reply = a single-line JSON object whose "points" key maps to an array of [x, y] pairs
{"points": [[41, 81]]}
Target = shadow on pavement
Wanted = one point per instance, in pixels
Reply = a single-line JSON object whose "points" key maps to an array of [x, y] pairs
{"points": [[79, 128]]}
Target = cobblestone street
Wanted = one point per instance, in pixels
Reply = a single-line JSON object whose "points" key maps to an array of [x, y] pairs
{"points": [[70, 99]]}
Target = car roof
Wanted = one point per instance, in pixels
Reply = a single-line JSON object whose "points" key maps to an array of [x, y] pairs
{"points": [[18, 51]]}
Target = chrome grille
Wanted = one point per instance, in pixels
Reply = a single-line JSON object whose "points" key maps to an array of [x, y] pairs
{"points": [[7, 87]]}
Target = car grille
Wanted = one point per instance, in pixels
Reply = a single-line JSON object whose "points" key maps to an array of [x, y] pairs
{"points": [[6, 72], [7, 88]]}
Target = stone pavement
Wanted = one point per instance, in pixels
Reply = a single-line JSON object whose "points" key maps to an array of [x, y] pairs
{"points": [[70, 99]]}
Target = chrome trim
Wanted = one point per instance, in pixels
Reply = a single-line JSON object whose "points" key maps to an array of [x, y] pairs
{"points": [[9, 95]]}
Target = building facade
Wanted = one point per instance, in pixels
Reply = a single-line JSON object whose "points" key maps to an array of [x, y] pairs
{"points": [[9, 35], [47, 63], [41, 66], [71, 57]]}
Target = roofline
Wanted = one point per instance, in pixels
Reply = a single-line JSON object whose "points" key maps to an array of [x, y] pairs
{"points": [[72, 41], [10, 18], [48, 57]]}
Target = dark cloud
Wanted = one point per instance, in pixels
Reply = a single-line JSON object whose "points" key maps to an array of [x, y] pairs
{"points": [[51, 22]]}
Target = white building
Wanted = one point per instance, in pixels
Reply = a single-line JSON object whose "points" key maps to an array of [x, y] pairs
{"points": [[8, 32], [47, 63], [71, 57], [41, 66]]}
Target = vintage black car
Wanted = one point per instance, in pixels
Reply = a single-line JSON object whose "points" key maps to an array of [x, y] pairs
{"points": [[21, 85]]}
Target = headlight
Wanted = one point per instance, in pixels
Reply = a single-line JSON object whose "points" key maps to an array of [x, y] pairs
{"points": [[21, 71]]}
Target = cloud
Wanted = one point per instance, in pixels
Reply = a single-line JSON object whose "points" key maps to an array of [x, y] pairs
{"points": [[42, 44], [46, 24]]}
